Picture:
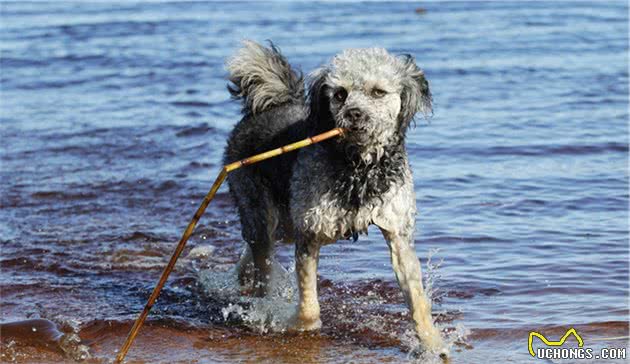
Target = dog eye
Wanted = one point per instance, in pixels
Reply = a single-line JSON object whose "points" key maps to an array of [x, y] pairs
{"points": [[341, 95], [378, 93]]}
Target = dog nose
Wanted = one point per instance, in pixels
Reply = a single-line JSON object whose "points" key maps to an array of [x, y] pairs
{"points": [[353, 114]]}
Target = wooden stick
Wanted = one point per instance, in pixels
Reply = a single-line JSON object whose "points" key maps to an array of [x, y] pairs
{"points": [[191, 226]]}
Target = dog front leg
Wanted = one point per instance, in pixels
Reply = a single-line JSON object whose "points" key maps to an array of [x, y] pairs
{"points": [[409, 276], [306, 259]]}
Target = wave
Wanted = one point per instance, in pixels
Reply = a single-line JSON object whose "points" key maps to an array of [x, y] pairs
{"points": [[198, 130], [542, 150], [593, 330], [45, 335], [64, 196]]}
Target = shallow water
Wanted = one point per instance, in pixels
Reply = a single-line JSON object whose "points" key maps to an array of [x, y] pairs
{"points": [[113, 121]]}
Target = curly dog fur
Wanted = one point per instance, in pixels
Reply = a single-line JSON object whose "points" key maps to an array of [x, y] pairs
{"points": [[336, 189]]}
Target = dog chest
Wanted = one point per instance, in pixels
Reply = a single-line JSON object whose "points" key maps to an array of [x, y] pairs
{"points": [[318, 212]]}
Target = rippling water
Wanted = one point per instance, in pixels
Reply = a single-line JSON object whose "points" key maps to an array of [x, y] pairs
{"points": [[114, 118]]}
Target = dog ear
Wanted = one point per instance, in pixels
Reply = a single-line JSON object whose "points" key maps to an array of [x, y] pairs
{"points": [[415, 96], [319, 102]]}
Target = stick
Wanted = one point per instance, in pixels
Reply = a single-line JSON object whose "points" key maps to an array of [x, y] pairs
{"points": [[191, 226]]}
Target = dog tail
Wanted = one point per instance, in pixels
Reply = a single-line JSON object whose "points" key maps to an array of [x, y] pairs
{"points": [[262, 78]]}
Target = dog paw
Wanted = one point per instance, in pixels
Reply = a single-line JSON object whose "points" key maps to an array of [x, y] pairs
{"points": [[430, 356], [299, 323]]}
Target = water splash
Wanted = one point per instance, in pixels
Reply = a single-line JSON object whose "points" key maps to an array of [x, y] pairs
{"points": [[58, 335], [452, 336], [261, 314], [432, 276], [71, 345], [9, 352], [70, 341]]}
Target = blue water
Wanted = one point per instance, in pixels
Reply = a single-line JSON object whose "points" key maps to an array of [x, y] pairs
{"points": [[114, 116]]}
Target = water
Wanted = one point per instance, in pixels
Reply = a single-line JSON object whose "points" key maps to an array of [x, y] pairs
{"points": [[114, 118]]}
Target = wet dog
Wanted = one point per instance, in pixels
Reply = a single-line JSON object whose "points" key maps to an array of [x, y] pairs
{"points": [[336, 189]]}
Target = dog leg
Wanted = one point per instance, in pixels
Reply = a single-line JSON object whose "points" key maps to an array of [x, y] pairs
{"points": [[262, 252], [259, 220], [245, 268], [306, 258], [408, 274]]}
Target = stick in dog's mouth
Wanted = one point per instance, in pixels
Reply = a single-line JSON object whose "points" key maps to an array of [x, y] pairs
{"points": [[204, 204]]}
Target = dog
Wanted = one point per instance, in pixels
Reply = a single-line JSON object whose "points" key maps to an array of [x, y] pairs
{"points": [[336, 189]]}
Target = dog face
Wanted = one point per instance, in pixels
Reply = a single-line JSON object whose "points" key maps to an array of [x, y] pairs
{"points": [[372, 94]]}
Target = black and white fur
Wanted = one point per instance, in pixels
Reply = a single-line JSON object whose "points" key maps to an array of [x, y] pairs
{"points": [[333, 190]]}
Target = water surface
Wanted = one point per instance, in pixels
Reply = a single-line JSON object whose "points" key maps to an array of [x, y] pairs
{"points": [[113, 121]]}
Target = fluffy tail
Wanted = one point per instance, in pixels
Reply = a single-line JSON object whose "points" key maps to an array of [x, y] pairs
{"points": [[263, 78]]}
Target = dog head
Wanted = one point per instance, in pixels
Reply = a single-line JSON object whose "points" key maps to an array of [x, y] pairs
{"points": [[372, 94]]}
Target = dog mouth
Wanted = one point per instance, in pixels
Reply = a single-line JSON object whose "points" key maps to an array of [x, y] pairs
{"points": [[354, 132], [355, 136], [354, 127], [357, 133]]}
